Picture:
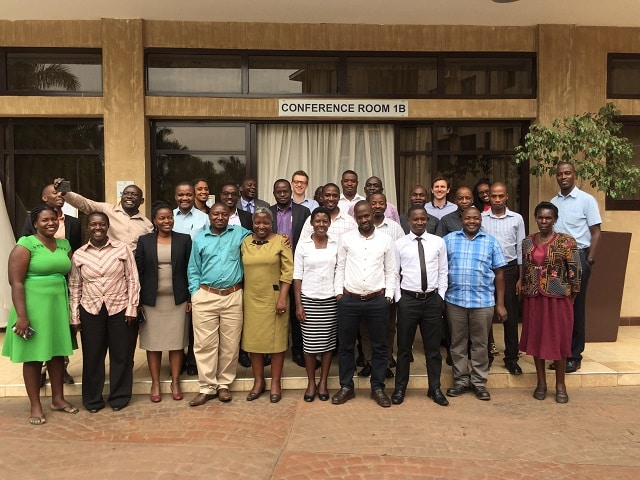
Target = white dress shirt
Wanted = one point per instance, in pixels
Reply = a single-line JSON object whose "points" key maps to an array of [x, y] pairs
{"points": [[344, 204], [339, 226], [408, 261], [508, 229], [316, 267], [391, 228], [366, 264]]}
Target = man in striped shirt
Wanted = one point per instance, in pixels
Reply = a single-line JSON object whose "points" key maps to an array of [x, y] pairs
{"points": [[508, 228], [476, 285]]}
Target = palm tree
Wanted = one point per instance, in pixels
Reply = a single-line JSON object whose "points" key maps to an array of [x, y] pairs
{"points": [[33, 76]]}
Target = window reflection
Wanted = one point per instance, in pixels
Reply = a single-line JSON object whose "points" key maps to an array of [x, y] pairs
{"points": [[389, 76], [293, 75], [488, 76]]}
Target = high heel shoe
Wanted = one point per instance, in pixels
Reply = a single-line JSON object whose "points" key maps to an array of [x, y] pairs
{"points": [[176, 393], [322, 396], [155, 398], [255, 395]]}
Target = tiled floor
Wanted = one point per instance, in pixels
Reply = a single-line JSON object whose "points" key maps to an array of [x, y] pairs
{"points": [[604, 364]]}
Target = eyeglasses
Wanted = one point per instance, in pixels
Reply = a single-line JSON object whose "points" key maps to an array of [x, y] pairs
{"points": [[299, 182]]}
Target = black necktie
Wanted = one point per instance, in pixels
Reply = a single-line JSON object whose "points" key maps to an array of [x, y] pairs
{"points": [[423, 265]]}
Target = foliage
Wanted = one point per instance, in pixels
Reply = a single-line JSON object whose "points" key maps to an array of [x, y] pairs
{"points": [[30, 76], [593, 143]]}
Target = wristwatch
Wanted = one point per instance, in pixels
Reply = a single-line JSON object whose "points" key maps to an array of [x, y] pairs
{"points": [[591, 261], [389, 300]]}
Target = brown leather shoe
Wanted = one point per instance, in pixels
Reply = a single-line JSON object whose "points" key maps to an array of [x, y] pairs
{"points": [[224, 395], [343, 396], [380, 397], [201, 399]]}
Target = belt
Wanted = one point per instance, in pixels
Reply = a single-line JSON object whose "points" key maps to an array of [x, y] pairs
{"points": [[420, 295], [224, 292], [364, 298]]}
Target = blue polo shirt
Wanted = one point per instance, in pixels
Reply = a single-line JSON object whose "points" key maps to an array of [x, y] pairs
{"points": [[471, 264], [576, 213], [215, 259]]}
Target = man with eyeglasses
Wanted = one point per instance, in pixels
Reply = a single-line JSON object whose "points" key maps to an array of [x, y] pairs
{"points": [[229, 195], [300, 183]]}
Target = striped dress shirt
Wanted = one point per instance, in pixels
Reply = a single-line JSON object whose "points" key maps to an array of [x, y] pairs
{"points": [[340, 225], [508, 229], [103, 275]]}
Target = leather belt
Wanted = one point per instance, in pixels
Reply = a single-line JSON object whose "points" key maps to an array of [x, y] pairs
{"points": [[364, 298], [419, 295], [224, 292]]}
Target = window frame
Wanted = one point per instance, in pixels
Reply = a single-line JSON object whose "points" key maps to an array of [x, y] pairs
{"points": [[624, 205], [619, 56]]}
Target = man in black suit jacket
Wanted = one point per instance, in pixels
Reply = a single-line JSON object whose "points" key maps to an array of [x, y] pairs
{"points": [[289, 218], [72, 232], [418, 196], [72, 229], [249, 200]]}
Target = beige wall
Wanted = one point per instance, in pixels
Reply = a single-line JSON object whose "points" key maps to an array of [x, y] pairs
{"points": [[571, 78]]}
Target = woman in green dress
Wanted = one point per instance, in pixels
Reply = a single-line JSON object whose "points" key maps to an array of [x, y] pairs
{"points": [[268, 272], [40, 314]]}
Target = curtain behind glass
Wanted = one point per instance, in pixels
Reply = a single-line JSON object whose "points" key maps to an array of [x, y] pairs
{"points": [[324, 152]]}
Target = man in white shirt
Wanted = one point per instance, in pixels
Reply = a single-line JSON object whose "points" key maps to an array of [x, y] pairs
{"points": [[365, 282], [508, 228], [439, 206], [374, 185], [300, 183], [422, 268], [341, 222], [349, 196]]}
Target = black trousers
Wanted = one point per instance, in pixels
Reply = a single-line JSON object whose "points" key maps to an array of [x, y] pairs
{"points": [[296, 330], [190, 358], [426, 314], [376, 313], [101, 333], [580, 310], [512, 305]]}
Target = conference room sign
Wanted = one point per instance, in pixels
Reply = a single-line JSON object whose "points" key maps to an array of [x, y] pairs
{"points": [[343, 108]]}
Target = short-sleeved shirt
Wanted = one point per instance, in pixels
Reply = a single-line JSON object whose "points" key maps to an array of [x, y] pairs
{"points": [[471, 265], [576, 213]]}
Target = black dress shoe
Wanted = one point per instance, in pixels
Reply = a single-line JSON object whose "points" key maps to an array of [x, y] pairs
{"points": [[380, 397], [393, 363], [482, 393], [449, 360], [244, 360], [299, 360], [117, 408], [389, 373], [513, 367], [343, 396], [67, 379], [192, 370], [266, 360], [438, 397], [360, 361], [572, 366], [309, 398], [457, 390], [397, 397], [552, 366], [366, 371]]}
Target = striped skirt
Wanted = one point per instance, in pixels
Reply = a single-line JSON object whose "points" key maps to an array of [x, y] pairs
{"points": [[320, 329]]}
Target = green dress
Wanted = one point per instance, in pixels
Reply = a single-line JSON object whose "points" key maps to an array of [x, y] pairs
{"points": [[47, 301]]}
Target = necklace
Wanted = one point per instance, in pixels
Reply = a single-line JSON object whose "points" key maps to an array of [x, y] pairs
{"points": [[259, 242]]}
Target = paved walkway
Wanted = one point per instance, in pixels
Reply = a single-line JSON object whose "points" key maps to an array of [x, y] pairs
{"points": [[595, 436]]}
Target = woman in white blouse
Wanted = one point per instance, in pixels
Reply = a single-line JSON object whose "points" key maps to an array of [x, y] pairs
{"points": [[314, 269]]}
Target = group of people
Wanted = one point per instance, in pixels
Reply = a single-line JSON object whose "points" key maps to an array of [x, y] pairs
{"points": [[242, 281]]}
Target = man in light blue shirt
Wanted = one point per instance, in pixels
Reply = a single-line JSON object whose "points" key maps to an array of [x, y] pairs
{"points": [[578, 216], [439, 206], [300, 183], [187, 218], [215, 282], [476, 285]]}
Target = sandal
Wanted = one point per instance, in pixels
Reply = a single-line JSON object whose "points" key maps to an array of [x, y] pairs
{"points": [[35, 420], [70, 409]]}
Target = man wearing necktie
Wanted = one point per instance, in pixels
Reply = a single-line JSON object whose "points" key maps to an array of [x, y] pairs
{"points": [[421, 260]]}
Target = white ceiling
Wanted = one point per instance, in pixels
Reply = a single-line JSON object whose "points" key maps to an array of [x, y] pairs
{"points": [[417, 12]]}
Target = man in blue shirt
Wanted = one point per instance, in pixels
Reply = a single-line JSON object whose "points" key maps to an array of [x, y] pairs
{"points": [[215, 282], [579, 217], [476, 285]]}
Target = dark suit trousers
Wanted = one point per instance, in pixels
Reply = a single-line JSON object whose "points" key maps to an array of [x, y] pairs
{"points": [[101, 333], [427, 315], [579, 309], [376, 313], [296, 330], [512, 305]]}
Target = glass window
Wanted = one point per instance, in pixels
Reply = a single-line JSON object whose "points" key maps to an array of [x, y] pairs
{"points": [[482, 76], [45, 149], [58, 73], [624, 76], [631, 130], [391, 76], [174, 74], [293, 75], [184, 151], [467, 139]]}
